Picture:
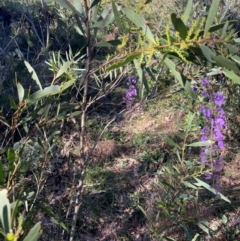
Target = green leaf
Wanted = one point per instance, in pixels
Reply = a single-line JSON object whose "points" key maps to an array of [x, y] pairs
{"points": [[5, 211], [11, 158], [117, 16], [1, 174], [67, 4], [226, 63], [209, 188], [188, 184], [207, 52], [202, 225], [20, 92], [235, 78], [181, 79], [232, 49], [169, 239], [236, 40], [218, 27], [142, 77], [211, 15], [124, 62], [35, 233], [109, 44], [236, 59], [56, 219], [12, 102], [224, 219], [201, 143], [179, 26], [38, 95], [78, 6], [34, 75], [104, 22], [94, 3], [67, 84], [171, 142], [79, 30], [139, 22], [187, 12], [195, 237], [63, 69]]}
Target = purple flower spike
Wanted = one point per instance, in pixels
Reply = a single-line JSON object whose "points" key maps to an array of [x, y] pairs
{"points": [[131, 93], [219, 99], [204, 82]]}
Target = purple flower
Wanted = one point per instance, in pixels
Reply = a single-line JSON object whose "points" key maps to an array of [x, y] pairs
{"points": [[205, 93], [203, 156], [208, 175], [206, 112], [131, 93], [204, 130], [204, 82], [221, 144], [219, 99], [218, 165], [220, 122], [204, 138], [195, 89]]}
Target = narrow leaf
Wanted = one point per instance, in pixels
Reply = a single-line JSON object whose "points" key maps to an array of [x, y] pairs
{"points": [[202, 226], [117, 16], [104, 22], [218, 27], [20, 91], [171, 142], [232, 49], [188, 184], [63, 69], [38, 95], [211, 15], [12, 102], [5, 211], [35, 233], [94, 3], [34, 75], [236, 59], [1, 174], [207, 52], [187, 11], [201, 143], [226, 63], [78, 6], [139, 22], [142, 77], [124, 62], [209, 188], [179, 26], [235, 78], [109, 44]]}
